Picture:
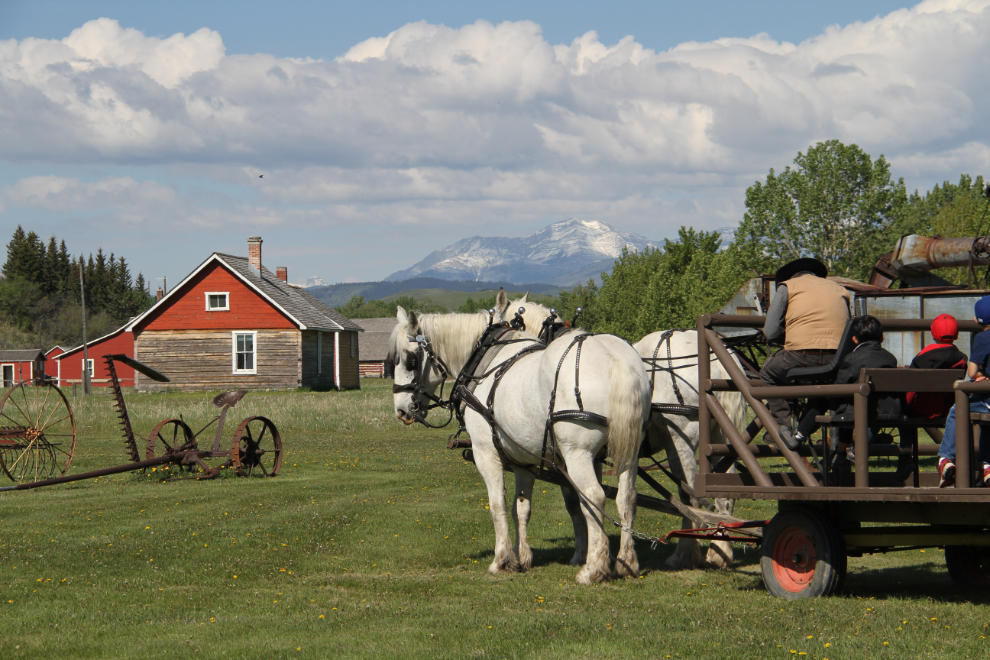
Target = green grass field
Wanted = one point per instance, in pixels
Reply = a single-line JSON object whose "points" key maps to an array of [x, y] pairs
{"points": [[374, 542]]}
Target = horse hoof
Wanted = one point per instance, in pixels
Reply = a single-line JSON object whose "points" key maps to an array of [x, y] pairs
{"points": [[626, 567], [718, 556], [586, 576], [508, 565]]}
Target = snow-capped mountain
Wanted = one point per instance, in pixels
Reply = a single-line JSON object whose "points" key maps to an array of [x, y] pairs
{"points": [[556, 252]]}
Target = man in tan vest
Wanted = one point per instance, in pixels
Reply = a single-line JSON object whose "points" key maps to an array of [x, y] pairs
{"points": [[809, 312]]}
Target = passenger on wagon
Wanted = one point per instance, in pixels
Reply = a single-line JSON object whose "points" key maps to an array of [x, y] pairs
{"points": [[978, 403], [867, 335], [809, 312], [942, 354]]}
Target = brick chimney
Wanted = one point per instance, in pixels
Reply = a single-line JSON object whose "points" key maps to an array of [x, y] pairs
{"points": [[159, 294], [254, 254], [283, 273]]}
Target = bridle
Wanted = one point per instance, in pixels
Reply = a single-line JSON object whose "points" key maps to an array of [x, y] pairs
{"points": [[426, 359]]}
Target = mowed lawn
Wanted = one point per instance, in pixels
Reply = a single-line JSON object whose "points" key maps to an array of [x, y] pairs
{"points": [[374, 542]]}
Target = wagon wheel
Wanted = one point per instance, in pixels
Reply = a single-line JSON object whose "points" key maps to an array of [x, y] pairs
{"points": [[170, 436], [968, 565], [37, 433], [803, 555], [257, 444]]}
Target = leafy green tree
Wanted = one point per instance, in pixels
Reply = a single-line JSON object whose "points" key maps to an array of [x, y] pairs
{"points": [[471, 305], [617, 306], [358, 308], [835, 205]]}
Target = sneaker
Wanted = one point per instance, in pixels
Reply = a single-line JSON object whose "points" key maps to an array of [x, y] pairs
{"points": [[790, 440], [946, 472], [986, 475]]}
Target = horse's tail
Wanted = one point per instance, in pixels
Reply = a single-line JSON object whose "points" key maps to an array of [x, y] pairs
{"points": [[628, 403]]}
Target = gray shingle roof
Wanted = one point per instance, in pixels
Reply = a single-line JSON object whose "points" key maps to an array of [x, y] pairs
{"points": [[314, 313], [21, 355], [374, 341]]}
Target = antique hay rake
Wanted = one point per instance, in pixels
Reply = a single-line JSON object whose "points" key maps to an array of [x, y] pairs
{"points": [[38, 436]]}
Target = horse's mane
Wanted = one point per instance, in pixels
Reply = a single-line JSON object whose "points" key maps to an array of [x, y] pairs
{"points": [[452, 335]]}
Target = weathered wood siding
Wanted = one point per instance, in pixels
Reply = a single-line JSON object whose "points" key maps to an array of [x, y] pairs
{"points": [[202, 360], [312, 373], [187, 308], [350, 377]]}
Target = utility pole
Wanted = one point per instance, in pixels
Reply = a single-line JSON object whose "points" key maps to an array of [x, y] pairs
{"points": [[85, 370]]}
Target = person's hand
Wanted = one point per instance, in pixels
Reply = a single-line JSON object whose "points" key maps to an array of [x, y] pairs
{"points": [[979, 377]]}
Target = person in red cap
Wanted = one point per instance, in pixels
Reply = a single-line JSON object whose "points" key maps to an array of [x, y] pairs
{"points": [[942, 354]]}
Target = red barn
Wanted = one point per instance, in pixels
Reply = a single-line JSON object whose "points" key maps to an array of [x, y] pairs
{"points": [[21, 365], [70, 363], [51, 366], [233, 324]]}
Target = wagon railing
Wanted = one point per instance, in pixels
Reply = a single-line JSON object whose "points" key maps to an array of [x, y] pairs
{"points": [[803, 482]]}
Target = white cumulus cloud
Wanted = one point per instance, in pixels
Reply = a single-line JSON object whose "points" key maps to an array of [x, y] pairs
{"points": [[458, 128]]}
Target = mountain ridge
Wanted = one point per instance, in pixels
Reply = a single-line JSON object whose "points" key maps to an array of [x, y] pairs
{"points": [[559, 254]]}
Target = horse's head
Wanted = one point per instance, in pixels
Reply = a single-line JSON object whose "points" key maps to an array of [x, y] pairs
{"points": [[418, 371], [534, 313]]}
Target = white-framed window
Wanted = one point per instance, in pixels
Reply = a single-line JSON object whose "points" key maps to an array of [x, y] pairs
{"points": [[353, 344], [87, 366], [245, 352], [217, 301]]}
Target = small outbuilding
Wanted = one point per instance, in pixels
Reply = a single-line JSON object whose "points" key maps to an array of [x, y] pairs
{"points": [[375, 360], [21, 365], [70, 363], [234, 324]]}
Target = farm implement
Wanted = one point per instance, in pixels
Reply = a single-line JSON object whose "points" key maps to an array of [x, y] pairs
{"points": [[38, 437]]}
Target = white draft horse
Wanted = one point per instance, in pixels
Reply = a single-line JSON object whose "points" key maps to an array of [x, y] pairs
{"points": [[612, 383], [675, 434]]}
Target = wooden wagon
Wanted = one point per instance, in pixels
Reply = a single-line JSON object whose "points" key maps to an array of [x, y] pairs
{"points": [[822, 518]]}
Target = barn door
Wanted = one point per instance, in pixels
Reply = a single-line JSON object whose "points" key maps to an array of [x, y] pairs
{"points": [[8, 375]]}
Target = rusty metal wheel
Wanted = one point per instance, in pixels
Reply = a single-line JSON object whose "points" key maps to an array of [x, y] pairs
{"points": [[168, 437], [257, 447], [37, 433]]}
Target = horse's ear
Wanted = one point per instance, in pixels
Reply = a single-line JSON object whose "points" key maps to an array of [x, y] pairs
{"points": [[525, 298], [501, 301], [413, 325], [401, 315]]}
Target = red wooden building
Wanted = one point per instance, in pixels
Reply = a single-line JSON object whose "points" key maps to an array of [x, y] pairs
{"points": [[51, 366], [69, 367], [233, 324], [21, 365]]}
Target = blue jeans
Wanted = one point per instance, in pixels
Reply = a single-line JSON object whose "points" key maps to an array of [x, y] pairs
{"points": [[948, 446]]}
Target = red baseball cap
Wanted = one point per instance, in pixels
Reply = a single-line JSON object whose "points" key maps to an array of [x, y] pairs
{"points": [[945, 328]]}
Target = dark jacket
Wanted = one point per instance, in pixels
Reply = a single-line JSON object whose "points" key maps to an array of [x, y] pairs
{"points": [[931, 405], [868, 355]]}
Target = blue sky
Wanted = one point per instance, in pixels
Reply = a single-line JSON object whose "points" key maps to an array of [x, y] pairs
{"points": [[387, 130]]}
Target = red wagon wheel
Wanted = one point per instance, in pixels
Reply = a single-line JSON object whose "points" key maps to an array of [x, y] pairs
{"points": [[257, 446], [803, 555], [37, 433]]}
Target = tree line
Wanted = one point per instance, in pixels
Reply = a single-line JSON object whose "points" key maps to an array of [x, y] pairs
{"points": [[41, 297]]}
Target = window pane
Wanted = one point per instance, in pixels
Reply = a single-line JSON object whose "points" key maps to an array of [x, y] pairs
{"points": [[249, 343], [240, 343], [249, 361]]}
